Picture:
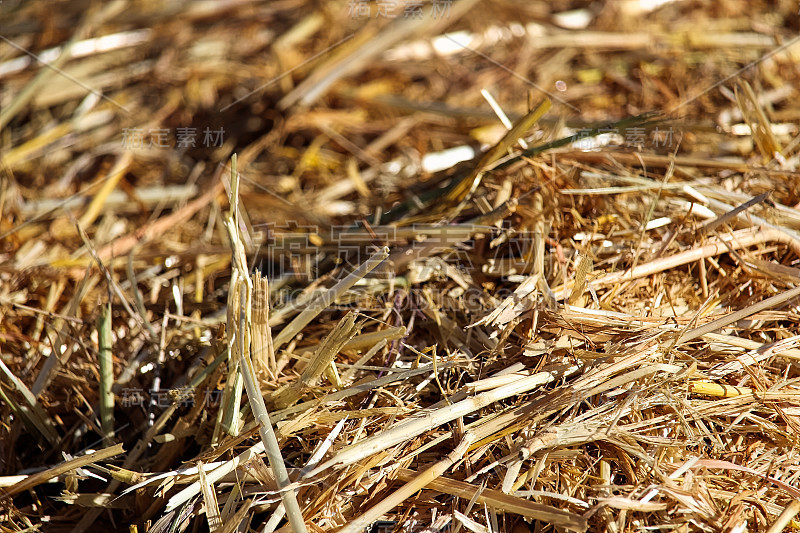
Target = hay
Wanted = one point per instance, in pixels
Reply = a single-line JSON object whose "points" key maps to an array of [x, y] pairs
{"points": [[265, 268]]}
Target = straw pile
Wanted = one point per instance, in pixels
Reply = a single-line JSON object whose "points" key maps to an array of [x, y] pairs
{"points": [[407, 266]]}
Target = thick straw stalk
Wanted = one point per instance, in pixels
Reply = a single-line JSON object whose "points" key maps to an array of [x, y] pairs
{"points": [[242, 284]]}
